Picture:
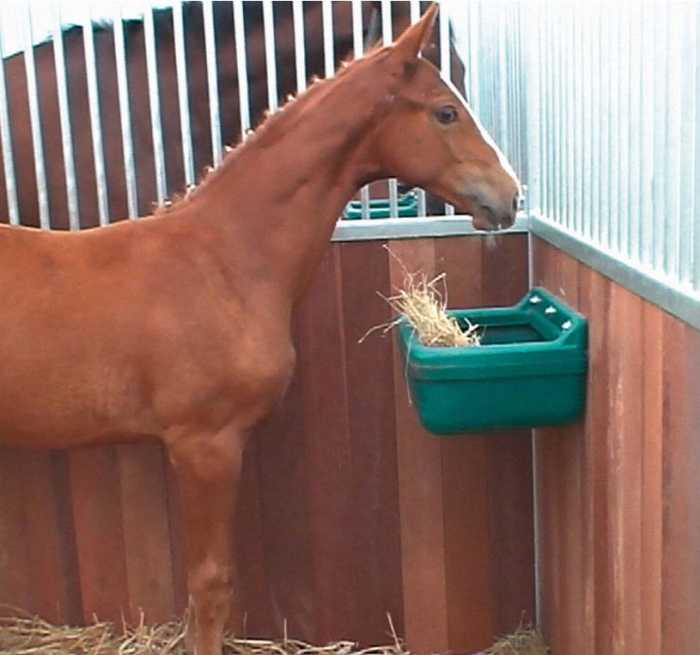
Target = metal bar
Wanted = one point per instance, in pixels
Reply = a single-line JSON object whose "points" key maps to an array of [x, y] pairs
{"points": [[539, 34], [64, 116], [674, 133], [154, 100], [565, 190], [500, 78], [576, 124], [241, 67], [183, 94], [660, 54], [558, 196], [695, 231], [651, 284], [623, 127], [603, 213], [613, 54], [212, 81], [125, 117], [270, 61], [533, 74], [406, 228], [688, 164], [587, 127], [550, 125], [635, 136], [647, 165], [35, 120], [358, 48], [328, 50], [387, 38], [95, 120], [299, 47], [445, 70], [415, 16], [7, 154]]}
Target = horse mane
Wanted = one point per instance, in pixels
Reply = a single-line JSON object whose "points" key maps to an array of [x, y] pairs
{"points": [[269, 123]]}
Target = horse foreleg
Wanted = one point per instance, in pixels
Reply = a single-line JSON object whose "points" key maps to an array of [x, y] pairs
{"points": [[208, 470]]}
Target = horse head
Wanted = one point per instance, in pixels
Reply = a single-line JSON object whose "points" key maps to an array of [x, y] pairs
{"points": [[429, 136]]}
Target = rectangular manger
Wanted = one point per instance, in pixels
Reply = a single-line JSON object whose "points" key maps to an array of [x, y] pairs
{"points": [[530, 369]]}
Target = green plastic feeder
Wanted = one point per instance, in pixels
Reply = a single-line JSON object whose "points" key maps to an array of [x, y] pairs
{"points": [[407, 206], [530, 369]]}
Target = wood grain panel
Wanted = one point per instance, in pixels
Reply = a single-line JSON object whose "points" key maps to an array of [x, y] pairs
{"points": [[99, 533], [15, 588], [420, 494], [146, 531], [466, 490], [329, 451], [652, 481], [52, 555], [624, 575], [375, 527]]}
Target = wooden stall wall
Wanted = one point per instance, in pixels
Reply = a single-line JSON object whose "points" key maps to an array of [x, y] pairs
{"points": [[618, 495], [350, 510]]}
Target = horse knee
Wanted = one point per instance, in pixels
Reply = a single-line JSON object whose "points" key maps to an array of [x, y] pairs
{"points": [[211, 587], [208, 458]]}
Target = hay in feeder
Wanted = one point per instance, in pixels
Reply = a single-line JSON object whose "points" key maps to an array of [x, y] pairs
{"points": [[524, 641], [423, 303], [33, 636]]}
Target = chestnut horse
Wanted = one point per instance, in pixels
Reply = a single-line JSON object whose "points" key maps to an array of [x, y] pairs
{"points": [[177, 326]]}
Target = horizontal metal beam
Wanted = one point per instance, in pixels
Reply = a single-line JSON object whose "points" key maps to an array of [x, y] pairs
{"points": [[651, 285], [415, 228]]}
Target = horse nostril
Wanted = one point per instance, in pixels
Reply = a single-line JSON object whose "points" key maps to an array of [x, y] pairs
{"points": [[516, 202]]}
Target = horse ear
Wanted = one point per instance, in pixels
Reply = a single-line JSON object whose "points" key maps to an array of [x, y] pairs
{"points": [[417, 36]]}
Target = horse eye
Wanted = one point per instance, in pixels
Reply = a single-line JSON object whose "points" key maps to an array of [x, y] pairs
{"points": [[446, 115]]}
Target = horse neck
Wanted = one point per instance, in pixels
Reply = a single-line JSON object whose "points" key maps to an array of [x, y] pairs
{"points": [[272, 205]]}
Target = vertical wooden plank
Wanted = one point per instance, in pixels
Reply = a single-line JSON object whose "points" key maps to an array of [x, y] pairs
{"points": [[420, 495], [624, 437], [504, 270], [487, 483], [282, 470], [375, 528], [97, 511], [652, 481], [562, 475], [548, 457], [597, 418], [588, 307], [469, 573], [512, 529], [146, 532], [571, 492], [327, 436], [681, 471], [177, 540], [14, 557], [505, 282], [252, 614], [50, 537]]}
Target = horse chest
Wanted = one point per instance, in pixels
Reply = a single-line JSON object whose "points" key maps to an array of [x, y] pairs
{"points": [[225, 376]]}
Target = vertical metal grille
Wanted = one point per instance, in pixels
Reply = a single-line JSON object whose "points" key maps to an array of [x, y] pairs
{"points": [[614, 143], [35, 119], [66, 133], [125, 117], [154, 100], [95, 119]]}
